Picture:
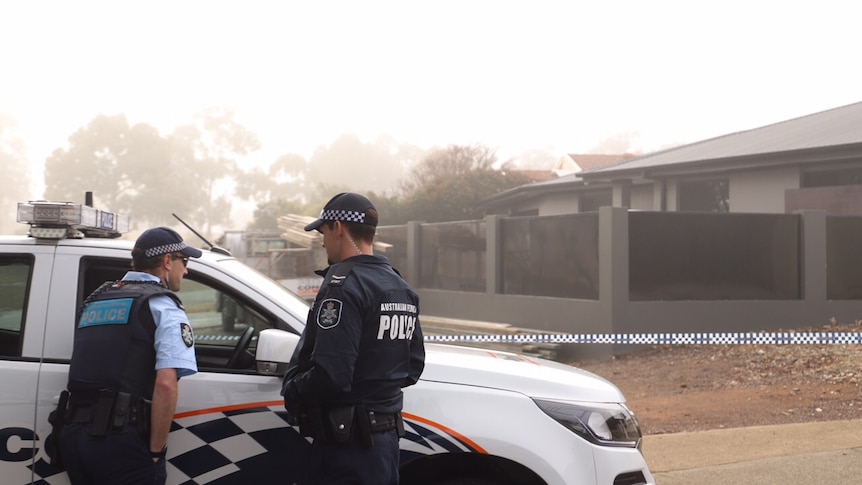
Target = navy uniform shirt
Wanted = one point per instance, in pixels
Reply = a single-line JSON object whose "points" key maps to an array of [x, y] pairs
{"points": [[362, 341]]}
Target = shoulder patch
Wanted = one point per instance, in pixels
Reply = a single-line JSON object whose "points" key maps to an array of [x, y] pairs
{"points": [[187, 334], [339, 273], [329, 313]]}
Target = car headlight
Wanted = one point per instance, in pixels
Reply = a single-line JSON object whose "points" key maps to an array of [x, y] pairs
{"points": [[605, 424]]}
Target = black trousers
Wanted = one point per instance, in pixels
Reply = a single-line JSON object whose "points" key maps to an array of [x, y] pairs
{"points": [[116, 459], [352, 463]]}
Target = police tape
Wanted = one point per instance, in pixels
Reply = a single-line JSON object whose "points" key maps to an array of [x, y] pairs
{"points": [[730, 338]]}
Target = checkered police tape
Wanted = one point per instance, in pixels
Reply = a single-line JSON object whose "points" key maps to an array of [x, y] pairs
{"points": [[732, 338], [219, 338], [750, 338]]}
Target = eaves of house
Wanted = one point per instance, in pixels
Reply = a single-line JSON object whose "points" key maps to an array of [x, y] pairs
{"points": [[834, 135], [558, 184]]}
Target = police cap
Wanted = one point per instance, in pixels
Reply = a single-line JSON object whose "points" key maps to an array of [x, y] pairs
{"points": [[346, 207]]}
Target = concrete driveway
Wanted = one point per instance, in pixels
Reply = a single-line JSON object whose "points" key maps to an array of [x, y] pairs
{"points": [[810, 453]]}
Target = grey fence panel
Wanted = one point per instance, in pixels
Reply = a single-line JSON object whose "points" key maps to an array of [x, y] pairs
{"points": [[700, 256], [843, 261], [392, 243], [554, 256], [453, 256]]}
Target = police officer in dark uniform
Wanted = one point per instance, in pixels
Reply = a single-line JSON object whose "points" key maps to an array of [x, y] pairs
{"points": [[361, 345], [132, 343]]}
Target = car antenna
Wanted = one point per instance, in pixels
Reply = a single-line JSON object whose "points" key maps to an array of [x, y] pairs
{"points": [[213, 247]]}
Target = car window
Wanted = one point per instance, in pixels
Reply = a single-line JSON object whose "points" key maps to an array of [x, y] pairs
{"points": [[15, 272], [218, 316]]}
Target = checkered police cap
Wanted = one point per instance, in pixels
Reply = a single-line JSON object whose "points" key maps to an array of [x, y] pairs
{"points": [[164, 240], [346, 207]]}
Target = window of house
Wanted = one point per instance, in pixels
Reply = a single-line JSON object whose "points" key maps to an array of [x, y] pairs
{"points": [[709, 195], [15, 274], [591, 201], [832, 178]]}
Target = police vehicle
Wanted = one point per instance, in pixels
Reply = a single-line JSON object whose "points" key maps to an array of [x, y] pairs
{"points": [[475, 417]]}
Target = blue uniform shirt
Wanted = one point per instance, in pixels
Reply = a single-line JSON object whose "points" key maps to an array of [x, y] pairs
{"points": [[171, 350]]}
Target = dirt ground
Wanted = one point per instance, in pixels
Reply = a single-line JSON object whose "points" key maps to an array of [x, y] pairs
{"points": [[700, 387]]}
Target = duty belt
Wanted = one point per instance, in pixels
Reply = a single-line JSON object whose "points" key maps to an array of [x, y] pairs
{"points": [[109, 411], [87, 414], [381, 422], [341, 424]]}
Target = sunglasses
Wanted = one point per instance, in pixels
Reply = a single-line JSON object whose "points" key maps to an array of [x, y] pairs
{"points": [[180, 256]]}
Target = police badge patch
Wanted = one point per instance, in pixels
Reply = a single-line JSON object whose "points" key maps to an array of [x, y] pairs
{"points": [[329, 313], [187, 334]]}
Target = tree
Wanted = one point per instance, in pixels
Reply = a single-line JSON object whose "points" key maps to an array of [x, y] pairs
{"points": [[451, 182], [624, 142], [363, 167], [13, 160], [267, 213], [452, 160], [135, 171], [284, 179], [211, 148], [456, 197], [393, 209], [348, 164], [130, 169], [533, 159], [94, 161]]}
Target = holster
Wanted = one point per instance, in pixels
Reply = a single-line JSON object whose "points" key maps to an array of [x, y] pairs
{"points": [[57, 418], [339, 424], [122, 411], [108, 411], [311, 423], [103, 411], [141, 418], [363, 427]]}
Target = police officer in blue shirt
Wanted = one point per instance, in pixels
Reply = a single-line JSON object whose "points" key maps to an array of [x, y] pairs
{"points": [[132, 343], [361, 345]]}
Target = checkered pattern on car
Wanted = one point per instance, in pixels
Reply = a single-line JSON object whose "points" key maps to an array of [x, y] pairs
{"points": [[250, 444]]}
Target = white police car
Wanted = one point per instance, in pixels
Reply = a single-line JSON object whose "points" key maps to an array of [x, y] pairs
{"points": [[476, 416]]}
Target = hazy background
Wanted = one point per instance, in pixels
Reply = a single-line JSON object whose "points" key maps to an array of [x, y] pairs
{"points": [[543, 78]]}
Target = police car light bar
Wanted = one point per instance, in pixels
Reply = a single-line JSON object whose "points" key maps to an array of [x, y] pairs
{"points": [[58, 220]]}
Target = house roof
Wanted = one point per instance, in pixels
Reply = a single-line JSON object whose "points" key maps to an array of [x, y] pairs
{"points": [[554, 182], [835, 127], [590, 161], [537, 175]]}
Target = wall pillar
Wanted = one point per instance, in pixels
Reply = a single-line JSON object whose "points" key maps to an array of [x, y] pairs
{"points": [[813, 257], [414, 253], [622, 194], [493, 256]]}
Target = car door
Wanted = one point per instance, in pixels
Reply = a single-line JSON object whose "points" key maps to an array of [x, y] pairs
{"points": [[23, 269], [230, 424]]}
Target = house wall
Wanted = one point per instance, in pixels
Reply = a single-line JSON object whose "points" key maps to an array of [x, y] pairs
{"points": [[642, 197], [761, 191], [558, 203], [526, 208], [671, 194]]}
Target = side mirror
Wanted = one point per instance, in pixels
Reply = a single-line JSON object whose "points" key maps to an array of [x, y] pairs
{"points": [[274, 349]]}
